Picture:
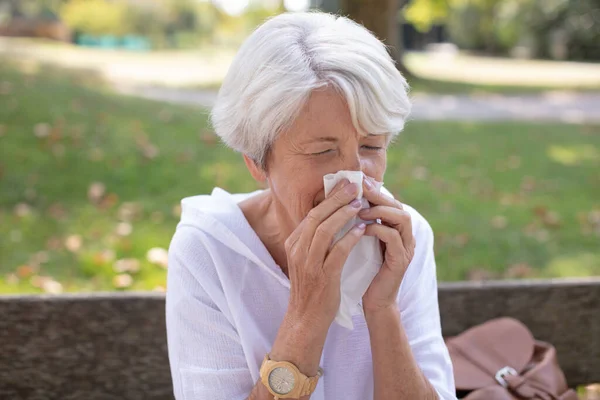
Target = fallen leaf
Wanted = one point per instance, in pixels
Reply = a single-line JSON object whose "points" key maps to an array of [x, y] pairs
{"points": [[96, 191], [127, 265], [480, 274], [25, 271], [12, 279], [57, 211], [109, 200], [420, 173], [208, 138], [122, 281], [540, 211], [38, 281], [104, 257], [41, 257], [42, 130], [59, 150], [177, 210], [150, 151], [54, 243], [552, 219], [124, 245], [51, 286], [124, 229], [158, 256], [157, 217], [514, 162], [22, 210], [462, 239], [184, 157], [73, 243], [96, 154], [518, 271], [129, 211], [528, 184], [499, 222]]}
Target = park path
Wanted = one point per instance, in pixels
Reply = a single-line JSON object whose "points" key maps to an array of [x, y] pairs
{"points": [[557, 106], [167, 76]]}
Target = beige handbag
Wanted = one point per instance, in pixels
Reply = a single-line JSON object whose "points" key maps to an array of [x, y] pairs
{"points": [[501, 360]]}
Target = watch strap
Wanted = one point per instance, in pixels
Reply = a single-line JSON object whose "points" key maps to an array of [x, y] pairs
{"points": [[310, 384]]}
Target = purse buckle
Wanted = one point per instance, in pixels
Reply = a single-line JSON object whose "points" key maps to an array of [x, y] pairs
{"points": [[502, 372]]}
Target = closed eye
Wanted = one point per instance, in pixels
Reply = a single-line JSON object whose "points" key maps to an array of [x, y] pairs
{"points": [[372, 148], [321, 152]]}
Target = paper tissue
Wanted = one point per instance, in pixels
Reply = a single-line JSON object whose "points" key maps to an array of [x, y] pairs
{"points": [[364, 260]]}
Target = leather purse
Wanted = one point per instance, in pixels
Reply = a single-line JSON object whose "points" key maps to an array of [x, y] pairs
{"points": [[501, 360]]}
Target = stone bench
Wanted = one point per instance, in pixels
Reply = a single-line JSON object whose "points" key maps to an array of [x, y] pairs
{"points": [[113, 346]]}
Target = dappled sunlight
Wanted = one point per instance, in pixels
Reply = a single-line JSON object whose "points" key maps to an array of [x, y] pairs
{"points": [[574, 155], [575, 265]]}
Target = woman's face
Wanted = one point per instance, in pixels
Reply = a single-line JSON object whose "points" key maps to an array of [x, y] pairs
{"points": [[321, 141]]}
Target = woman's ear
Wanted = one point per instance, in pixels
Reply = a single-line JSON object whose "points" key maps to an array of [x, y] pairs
{"points": [[255, 170]]}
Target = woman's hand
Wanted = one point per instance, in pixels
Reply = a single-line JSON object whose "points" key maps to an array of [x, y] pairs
{"points": [[395, 233], [314, 265]]}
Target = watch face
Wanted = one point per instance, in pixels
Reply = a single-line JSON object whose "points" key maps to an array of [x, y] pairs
{"points": [[281, 380]]}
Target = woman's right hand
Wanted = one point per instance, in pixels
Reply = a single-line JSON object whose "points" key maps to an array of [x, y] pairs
{"points": [[314, 265]]}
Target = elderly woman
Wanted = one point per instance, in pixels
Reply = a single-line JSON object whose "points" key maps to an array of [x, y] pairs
{"points": [[254, 279]]}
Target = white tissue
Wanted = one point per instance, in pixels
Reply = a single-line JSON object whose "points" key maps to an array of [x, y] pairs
{"points": [[364, 260]]}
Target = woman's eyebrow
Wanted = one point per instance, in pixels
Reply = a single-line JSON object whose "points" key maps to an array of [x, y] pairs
{"points": [[323, 139]]}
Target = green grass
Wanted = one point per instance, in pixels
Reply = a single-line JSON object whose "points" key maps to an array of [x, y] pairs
{"points": [[497, 195]]}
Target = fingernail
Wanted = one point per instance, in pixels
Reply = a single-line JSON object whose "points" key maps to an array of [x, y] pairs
{"points": [[350, 189], [368, 183], [356, 203], [361, 226]]}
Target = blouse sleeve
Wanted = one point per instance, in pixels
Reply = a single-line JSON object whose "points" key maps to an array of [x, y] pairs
{"points": [[419, 312], [205, 354]]}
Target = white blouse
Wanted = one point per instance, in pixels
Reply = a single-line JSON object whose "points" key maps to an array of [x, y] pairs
{"points": [[226, 298]]}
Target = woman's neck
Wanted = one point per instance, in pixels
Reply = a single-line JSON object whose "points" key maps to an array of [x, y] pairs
{"points": [[268, 223]]}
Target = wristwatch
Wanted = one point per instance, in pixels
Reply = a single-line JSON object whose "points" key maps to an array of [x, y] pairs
{"points": [[285, 381]]}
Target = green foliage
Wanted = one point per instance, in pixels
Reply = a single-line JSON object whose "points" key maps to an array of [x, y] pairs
{"points": [[96, 17], [425, 13], [496, 26], [577, 21]]}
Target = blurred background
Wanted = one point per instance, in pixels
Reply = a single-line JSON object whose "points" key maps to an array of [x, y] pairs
{"points": [[103, 129]]}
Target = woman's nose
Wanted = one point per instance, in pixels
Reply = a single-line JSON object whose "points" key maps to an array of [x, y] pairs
{"points": [[352, 162]]}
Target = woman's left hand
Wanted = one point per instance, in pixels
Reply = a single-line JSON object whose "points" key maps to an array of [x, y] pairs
{"points": [[395, 233]]}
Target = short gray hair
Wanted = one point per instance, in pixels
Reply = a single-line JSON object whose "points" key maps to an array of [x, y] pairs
{"points": [[289, 56]]}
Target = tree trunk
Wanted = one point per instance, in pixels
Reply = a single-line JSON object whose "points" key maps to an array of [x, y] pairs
{"points": [[381, 18]]}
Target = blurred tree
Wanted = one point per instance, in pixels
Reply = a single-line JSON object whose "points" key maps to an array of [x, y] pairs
{"points": [[96, 17], [382, 17]]}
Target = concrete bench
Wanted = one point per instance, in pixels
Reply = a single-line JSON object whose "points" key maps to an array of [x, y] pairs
{"points": [[113, 346]]}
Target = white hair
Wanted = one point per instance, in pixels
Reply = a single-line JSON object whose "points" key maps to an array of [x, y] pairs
{"points": [[289, 56]]}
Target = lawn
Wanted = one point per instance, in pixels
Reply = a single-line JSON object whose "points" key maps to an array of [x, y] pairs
{"points": [[90, 184]]}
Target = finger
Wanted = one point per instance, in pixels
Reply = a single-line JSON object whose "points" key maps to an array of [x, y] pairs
{"points": [[376, 197], [398, 219], [394, 247], [325, 233], [343, 194], [339, 252]]}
